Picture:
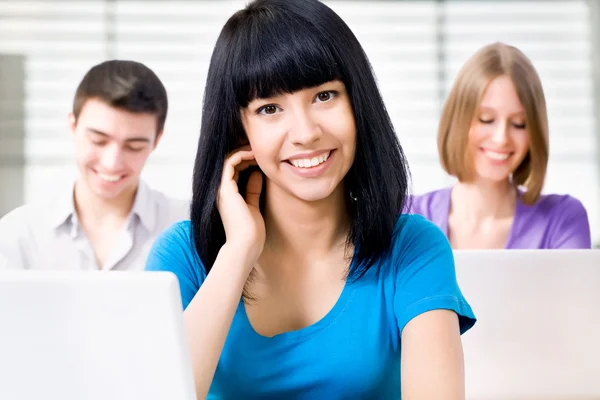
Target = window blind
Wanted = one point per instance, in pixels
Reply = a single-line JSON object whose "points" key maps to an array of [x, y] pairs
{"points": [[415, 47]]}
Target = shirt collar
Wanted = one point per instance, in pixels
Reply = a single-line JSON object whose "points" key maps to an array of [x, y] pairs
{"points": [[143, 206], [62, 210]]}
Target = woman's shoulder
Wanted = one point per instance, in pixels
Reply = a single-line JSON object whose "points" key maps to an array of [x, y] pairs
{"points": [[411, 223], [416, 244], [178, 231], [416, 236], [174, 247], [422, 274], [561, 221], [557, 204], [174, 251], [430, 203]]}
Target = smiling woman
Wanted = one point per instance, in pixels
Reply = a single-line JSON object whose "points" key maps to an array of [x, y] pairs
{"points": [[493, 136], [300, 277], [308, 134]]}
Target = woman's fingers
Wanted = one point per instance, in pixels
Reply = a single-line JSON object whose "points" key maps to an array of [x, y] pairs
{"points": [[254, 188], [237, 162]]}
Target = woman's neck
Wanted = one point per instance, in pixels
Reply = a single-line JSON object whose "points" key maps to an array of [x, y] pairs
{"points": [[309, 229], [479, 200]]}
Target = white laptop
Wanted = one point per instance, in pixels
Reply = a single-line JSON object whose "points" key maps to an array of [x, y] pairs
{"points": [[538, 330], [92, 336]]}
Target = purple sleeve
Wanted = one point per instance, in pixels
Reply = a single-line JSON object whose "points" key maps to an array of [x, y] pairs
{"points": [[572, 230]]}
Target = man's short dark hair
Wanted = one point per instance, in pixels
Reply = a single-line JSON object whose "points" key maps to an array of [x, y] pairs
{"points": [[126, 85]]}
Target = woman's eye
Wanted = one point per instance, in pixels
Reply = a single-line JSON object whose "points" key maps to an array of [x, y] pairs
{"points": [[325, 96], [519, 126], [269, 109], [486, 121]]}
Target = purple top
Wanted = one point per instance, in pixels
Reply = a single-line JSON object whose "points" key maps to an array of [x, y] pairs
{"points": [[553, 222]]}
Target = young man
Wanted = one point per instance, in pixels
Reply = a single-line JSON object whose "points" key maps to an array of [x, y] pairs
{"points": [[109, 218]]}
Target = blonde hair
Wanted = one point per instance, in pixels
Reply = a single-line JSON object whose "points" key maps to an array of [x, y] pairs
{"points": [[490, 62]]}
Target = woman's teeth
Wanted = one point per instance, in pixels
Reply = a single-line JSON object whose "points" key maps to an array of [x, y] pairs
{"points": [[310, 162], [494, 155]]}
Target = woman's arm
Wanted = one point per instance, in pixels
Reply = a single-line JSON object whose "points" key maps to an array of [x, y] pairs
{"points": [[208, 316], [431, 313], [432, 362], [209, 301]]}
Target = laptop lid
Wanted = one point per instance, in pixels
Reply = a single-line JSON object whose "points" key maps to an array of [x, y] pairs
{"points": [[92, 335], [538, 329]]}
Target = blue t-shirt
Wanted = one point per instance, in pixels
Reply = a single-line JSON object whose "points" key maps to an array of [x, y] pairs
{"points": [[354, 351]]}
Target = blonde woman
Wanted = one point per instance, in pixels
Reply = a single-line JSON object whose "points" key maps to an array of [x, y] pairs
{"points": [[493, 137]]}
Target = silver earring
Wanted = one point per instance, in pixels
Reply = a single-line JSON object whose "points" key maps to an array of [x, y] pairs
{"points": [[352, 197]]}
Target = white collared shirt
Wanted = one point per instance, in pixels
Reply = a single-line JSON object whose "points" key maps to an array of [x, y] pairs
{"points": [[49, 236]]}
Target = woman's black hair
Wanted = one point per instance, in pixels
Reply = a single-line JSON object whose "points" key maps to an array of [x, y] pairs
{"points": [[282, 46]]}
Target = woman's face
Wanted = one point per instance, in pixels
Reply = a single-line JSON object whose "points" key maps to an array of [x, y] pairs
{"points": [[305, 141], [498, 137]]}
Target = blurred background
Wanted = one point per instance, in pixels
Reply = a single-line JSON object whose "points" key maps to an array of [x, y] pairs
{"points": [[416, 48]]}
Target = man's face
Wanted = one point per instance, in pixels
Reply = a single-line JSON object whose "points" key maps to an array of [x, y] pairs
{"points": [[112, 146]]}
